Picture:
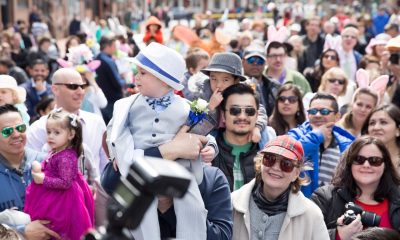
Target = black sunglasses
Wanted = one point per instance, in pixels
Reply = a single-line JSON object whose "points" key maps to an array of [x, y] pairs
{"points": [[373, 161], [339, 81], [72, 86], [291, 99], [236, 111], [7, 131], [285, 164], [331, 57], [322, 111], [257, 60]]}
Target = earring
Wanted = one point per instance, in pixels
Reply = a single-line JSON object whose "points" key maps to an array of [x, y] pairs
{"points": [[297, 113]]}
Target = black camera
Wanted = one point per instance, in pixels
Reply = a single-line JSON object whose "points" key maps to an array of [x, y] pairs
{"points": [[394, 58], [368, 219], [133, 195]]}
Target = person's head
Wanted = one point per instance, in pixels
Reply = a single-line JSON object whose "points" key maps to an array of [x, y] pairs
{"points": [[10, 93], [240, 107], [279, 166], [44, 44], [376, 45], [196, 59], [363, 102], [323, 109], [38, 70], [72, 41], [224, 70], [68, 89], [349, 38], [313, 26], [253, 61], [160, 70], [334, 81], [376, 233], [329, 58], [287, 104], [12, 127], [45, 106], [384, 123], [296, 42], [392, 29], [64, 130], [5, 64], [245, 39], [367, 165], [329, 27], [276, 55], [108, 45]]}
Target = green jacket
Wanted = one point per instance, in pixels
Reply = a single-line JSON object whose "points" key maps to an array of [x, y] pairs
{"points": [[295, 78]]}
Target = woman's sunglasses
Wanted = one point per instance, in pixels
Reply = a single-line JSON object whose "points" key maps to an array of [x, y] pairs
{"points": [[339, 81], [291, 99], [373, 161], [331, 57], [285, 164], [7, 131], [257, 60], [236, 111]]}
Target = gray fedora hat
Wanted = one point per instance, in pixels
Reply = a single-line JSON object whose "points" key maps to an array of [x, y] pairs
{"points": [[226, 62]]}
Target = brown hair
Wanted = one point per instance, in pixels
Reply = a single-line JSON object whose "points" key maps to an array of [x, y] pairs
{"points": [[194, 55]]}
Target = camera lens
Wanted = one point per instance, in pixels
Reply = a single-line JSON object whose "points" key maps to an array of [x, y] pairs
{"points": [[370, 219]]}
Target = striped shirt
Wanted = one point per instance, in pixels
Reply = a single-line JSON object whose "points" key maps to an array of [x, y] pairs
{"points": [[329, 158]]}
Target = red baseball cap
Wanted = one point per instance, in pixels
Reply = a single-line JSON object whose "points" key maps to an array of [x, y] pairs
{"points": [[285, 146]]}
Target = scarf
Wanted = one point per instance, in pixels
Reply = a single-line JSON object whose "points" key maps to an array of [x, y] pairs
{"points": [[271, 208]]}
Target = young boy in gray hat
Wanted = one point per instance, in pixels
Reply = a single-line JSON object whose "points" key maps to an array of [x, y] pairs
{"points": [[150, 119]]}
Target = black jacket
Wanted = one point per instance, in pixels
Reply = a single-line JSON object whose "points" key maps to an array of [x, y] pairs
{"points": [[332, 199], [225, 160]]}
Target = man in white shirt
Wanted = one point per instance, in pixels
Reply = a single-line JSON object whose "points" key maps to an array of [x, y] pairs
{"points": [[349, 58]]}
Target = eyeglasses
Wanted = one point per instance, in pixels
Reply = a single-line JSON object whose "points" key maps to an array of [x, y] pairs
{"points": [[331, 57], [236, 111], [285, 164], [73, 86], [322, 111], [339, 81], [349, 36], [373, 161], [291, 99], [257, 60], [7, 131], [275, 56]]}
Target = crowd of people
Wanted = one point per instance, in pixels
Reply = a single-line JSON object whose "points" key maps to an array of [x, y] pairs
{"points": [[290, 130]]}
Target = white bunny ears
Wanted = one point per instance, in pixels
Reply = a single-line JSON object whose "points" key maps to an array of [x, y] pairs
{"points": [[332, 42], [378, 85], [276, 35]]}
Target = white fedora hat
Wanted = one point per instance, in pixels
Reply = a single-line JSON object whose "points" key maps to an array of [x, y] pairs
{"points": [[164, 63], [6, 81]]}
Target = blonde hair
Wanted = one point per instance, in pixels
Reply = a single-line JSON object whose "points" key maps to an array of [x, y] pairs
{"points": [[331, 73]]}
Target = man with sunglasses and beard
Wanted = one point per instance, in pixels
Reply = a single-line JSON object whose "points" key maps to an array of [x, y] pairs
{"points": [[36, 87], [323, 142], [237, 151], [253, 66]]}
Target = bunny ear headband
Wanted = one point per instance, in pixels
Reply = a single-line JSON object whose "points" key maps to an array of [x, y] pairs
{"points": [[378, 85], [80, 58], [332, 42], [276, 35]]}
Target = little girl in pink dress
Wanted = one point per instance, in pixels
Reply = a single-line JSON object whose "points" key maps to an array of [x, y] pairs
{"points": [[59, 192]]}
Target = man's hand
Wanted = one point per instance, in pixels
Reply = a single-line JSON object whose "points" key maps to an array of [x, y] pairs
{"points": [[215, 100], [347, 231], [38, 177], [326, 130], [184, 145], [37, 231], [255, 135], [40, 85]]}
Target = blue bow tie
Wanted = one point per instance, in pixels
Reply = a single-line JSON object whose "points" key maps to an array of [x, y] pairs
{"points": [[162, 102]]}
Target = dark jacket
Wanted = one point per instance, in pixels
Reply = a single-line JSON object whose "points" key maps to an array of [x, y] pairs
{"points": [[268, 93], [309, 57], [331, 200], [33, 98], [225, 160]]}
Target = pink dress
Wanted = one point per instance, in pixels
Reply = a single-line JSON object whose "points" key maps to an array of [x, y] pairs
{"points": [[64, 198]]}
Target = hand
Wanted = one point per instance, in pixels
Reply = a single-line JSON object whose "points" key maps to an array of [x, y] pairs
{"points": [[347, 231], [207, 154], [38, 177], [37, 231], [89, 76], [184, 145], [164, 203], [326, 130], [215, 100], [36, 167], [255, 135], [40, 85]]}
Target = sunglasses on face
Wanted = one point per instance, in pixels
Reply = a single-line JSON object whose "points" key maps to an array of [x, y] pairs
{"points": [[331, 57], [236, 111], [285, 164], [334, 80], [7, 131], [373, 161], [322, 111], [256, 60], [291, 99], [73, 86]]}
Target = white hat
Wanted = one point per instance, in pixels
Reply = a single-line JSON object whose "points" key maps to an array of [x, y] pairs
{"points": [[9, 82], [164, 63]]}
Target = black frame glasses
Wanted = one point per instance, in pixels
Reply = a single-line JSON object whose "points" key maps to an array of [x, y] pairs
{"points": [[373, 161], [322, 111], [7, 131], [291, 99], [335, 80], [236, 111], [256, 60], [285, 164], [73, 86]]}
